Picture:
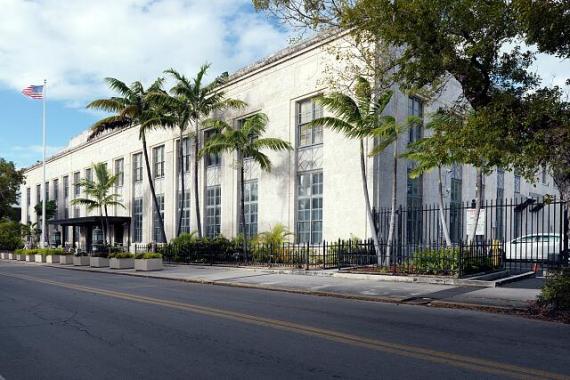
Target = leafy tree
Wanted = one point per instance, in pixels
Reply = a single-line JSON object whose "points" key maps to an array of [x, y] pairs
{"points": [[545, 23], [10, 181], [131, 108], [99, 195], [10, 235], [30, 232], [192, 101], [434, 152], [248, 143], [358, 119], [51, 209]]}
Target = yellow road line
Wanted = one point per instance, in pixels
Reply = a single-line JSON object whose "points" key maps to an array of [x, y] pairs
{"points": [[450, 359]]}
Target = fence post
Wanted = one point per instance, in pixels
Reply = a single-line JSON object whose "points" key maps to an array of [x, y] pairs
{"points": [[307, 257], [324, 255], [338, 253], [565, 251]]}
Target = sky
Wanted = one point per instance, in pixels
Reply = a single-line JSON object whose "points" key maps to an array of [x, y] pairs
{"points": [[76, 44]]}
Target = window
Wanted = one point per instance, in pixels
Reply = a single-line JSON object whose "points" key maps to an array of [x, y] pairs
{"points": [[250, 208], [310, 208], [185, 204], [28, 204], [156, 229], [158, 161], [46, 188], [212, 159], [76, 184], [185, 154], [55, 190], [415, 108], [38, 194], [544, 175], [66, 187], [414, 194], [137, 167], [120, 172], [517, 183], [455, 199], [307, 111], [500, 212], [76, 213], [213, 210], [138, 220], [88, 175]]}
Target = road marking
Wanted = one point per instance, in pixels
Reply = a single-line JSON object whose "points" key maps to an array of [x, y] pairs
{"points": [[450, 359]]}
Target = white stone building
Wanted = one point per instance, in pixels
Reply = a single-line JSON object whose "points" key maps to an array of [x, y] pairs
{"points": [[315, 190]]}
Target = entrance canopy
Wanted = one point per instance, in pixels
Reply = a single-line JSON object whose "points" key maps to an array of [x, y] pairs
{"points": [[89, 221]]}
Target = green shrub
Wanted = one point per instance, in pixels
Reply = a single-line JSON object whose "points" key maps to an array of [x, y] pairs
{"points": [[10, 235], [185, 238], [121, 255], [441, 261], [148, 255], [41, 251], [555, 295]]}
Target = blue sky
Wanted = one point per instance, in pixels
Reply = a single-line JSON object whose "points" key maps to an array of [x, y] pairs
{"points": [[74, 45]]}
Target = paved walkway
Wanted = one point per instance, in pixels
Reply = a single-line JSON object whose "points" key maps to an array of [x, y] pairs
{"points": [[516, 295]]}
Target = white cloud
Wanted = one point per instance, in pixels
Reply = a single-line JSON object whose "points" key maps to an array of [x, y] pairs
{"points": [[75, 44]]}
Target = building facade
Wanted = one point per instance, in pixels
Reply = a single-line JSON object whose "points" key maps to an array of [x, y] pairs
{"points": [[315, 189]]}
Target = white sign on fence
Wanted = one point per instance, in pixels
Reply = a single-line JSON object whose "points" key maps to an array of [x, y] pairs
{"points": [[470, 222]]}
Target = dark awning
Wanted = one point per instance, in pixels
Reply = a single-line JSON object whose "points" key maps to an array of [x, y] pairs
{"points": [[90, 220]]}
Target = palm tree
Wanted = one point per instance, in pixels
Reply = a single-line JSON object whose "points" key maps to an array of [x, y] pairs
{"points": [[99, 196], [387, 135], [131, 108], [247, 142], [192, 101], [357, 118], [435, 152]]}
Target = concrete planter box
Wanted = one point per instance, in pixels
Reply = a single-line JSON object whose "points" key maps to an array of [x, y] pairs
{"points": [[81, 260], [21, 257], [66, 259], [52, 259], [12, 256], [30, 258], [40, 258], [98, 262], [148, 264], [122, 263], [4, 255]]}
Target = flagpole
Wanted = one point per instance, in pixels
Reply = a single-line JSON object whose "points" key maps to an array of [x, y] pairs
{"points": [[44, 200]]}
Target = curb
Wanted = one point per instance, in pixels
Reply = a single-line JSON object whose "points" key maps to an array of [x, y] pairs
{"points": [[410, 301]]}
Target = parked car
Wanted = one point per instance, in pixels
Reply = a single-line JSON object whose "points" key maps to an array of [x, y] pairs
{"points": [[534, 247]]}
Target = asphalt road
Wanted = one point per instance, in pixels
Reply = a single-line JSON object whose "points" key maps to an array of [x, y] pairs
{"points": [[64, 324]]}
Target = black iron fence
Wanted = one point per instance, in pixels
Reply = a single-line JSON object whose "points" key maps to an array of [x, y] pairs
{"points": [[424, 259], [524, 232]]}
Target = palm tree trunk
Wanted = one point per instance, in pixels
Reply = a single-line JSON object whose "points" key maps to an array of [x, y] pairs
{"points": [[151, 183], [479, 198], [196, 187], [367, 201], [107, 226], [242, 204], [182, 190], [102, 224], [393, 203], [441, 211]]}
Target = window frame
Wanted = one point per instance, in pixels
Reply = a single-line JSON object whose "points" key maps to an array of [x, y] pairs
{"points": [[158, 161], [119, 173], [137, 167], [317, 134], [213, 229], [311, 233]]}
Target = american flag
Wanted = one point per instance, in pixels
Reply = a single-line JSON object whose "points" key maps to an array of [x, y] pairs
{"points": [[34, 92]]}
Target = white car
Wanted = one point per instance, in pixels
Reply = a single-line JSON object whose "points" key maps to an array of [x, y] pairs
{"points": [[534, 247]]}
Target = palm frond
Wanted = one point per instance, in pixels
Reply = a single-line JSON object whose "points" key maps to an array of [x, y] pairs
{"points": [[271, 143], [108, 124]]}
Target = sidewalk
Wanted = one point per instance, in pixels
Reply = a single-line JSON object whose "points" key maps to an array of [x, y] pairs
{"points": [[514, 296]]}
